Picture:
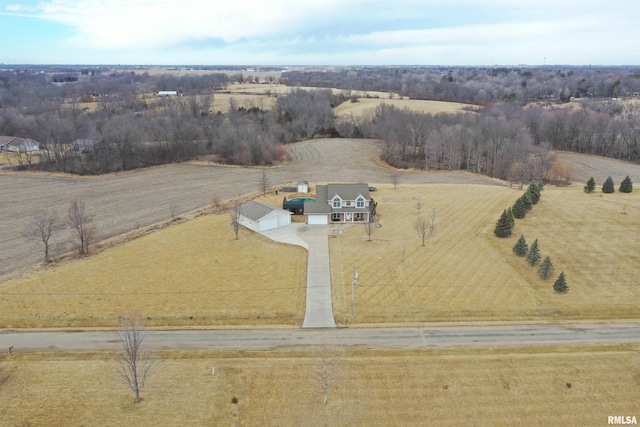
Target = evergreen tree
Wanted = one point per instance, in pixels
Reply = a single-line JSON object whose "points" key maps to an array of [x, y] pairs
{"points": [[534, 192], [561, 284], [546, 269], [591, 186], [512, 221], [503, 226], [518, 210], [533, 256], [521, 248], [526, 199], [608, 186], [626, 186]]}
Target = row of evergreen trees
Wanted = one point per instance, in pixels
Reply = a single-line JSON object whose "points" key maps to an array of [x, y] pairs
{"points": [[626, 186], [504, 226], [546, 268]]}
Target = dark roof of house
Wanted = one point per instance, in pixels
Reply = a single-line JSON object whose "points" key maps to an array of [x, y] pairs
{"points": [[257, 210], [324, 193], [347, 191], [320, 206], [4, 140]]}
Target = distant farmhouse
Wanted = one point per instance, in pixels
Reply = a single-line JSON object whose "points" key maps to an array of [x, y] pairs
{"points": [[12, 144], [340, 203]]}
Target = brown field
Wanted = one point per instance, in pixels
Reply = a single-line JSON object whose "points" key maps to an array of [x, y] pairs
{"points": [[586, 166], [541, 386], [196, 274], [366, 105], [128, 201], [189, 274]]}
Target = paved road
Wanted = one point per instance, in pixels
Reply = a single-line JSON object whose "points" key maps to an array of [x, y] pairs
{"points": [[272, 339]]}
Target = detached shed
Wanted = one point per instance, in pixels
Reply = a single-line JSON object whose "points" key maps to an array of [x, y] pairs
{"points": [[259, 216]]}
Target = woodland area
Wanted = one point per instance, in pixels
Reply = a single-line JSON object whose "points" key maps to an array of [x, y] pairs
{"points": [[525, 114]]}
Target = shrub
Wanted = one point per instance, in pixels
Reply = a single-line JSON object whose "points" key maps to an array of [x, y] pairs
{"points": [[504, 225], [608, 186], [591, 186], [560, 285], [521, 248], [546, 269], [533, 256], [626, 186]]}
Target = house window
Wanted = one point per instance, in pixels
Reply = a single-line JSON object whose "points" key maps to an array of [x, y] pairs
{"points": [[337, 204], [335, 217], [359, 203], [348, 203]]}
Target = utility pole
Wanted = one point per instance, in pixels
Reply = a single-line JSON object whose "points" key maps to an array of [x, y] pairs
{"points": [[353, 292]]}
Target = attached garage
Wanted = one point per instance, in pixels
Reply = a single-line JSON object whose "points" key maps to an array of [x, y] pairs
{"points": [[317, 219], [259, 216]]}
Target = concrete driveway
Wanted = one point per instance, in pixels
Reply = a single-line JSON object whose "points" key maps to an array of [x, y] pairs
{"points": [[315, 239]]}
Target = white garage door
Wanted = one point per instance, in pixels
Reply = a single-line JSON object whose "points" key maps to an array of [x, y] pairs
{"points": [[317, 219], [268, 224], [284, 220]]}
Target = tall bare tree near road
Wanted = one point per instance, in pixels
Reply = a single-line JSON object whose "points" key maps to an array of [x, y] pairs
{"points": [[80, 221], [41, 227], [328, 372], [135, 364]]}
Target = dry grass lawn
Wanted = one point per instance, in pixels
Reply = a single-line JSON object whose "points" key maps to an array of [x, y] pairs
{"points": [[541, 386], [197, 274], [188, 274], [465, 273]]}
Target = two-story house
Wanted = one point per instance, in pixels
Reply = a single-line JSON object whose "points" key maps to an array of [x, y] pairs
{"points": [[339, 203]]}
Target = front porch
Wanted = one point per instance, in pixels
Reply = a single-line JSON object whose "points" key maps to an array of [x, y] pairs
{"points": [[348, 217]]}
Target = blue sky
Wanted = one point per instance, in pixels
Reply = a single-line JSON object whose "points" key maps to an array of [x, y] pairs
{"points": [[320, 32]]}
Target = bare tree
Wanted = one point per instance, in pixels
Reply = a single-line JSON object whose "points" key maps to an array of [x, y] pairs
{"points": [[135, 364], [419, 205], [328, 373], [395, 180], [216, 203], [433, 215], [235, 215], [421, 227], [41, 227], [80, 221], [369, 228], [264, 182]]}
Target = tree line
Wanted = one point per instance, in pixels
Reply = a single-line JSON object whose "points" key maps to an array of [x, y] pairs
{"points": [[129, 129], [478, 85]]}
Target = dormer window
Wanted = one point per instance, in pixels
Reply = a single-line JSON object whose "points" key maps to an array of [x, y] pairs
{"points": [[360, 202], [337, 203]]}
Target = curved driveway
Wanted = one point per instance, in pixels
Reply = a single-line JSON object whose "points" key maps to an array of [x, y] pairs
{"points": [[279, 339]]}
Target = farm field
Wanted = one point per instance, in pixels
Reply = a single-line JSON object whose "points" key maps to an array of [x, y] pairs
{"points": [[586, 166], [542, 386], [128, 201], [195, 274], [465, 273], [366, 105]]}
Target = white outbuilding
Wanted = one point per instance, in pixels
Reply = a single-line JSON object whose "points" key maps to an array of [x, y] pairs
{"points": [[259, 216]]}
